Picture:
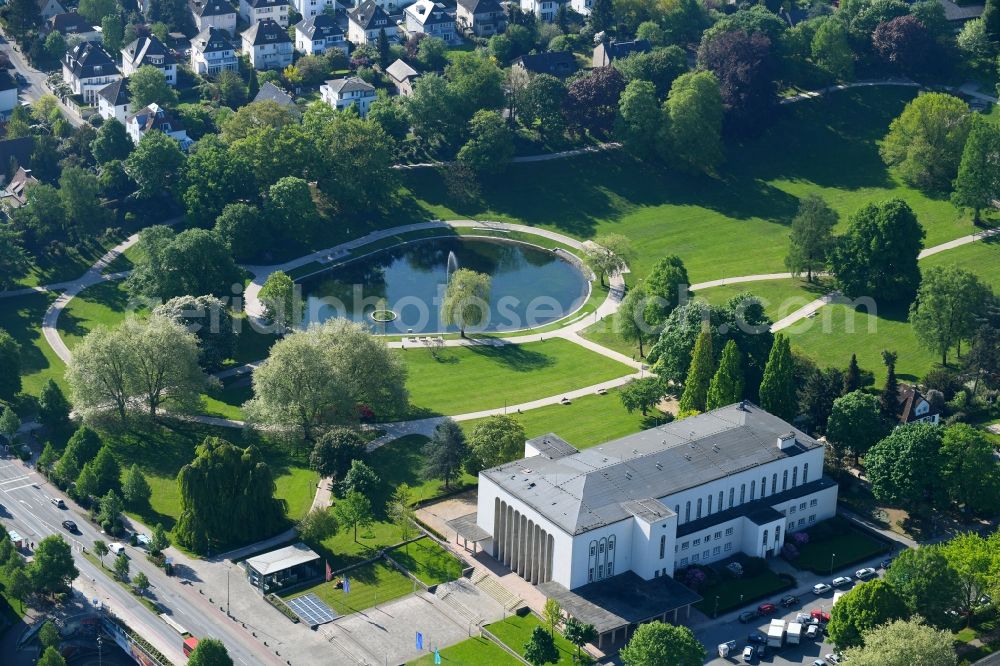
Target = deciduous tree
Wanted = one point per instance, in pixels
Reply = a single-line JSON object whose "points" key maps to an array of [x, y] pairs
{"points": [[897, 643], [656, 643], [642, 394], [135, 488], [639, 118], [905, 467], [317, 525], [52, 570], [949, 305], [318, 378], [10, 365], [877, 256], [592, 100], [466, 302], [493, 441], [861, 609], [906, 45], [156, 165], [354, 511], [607, 255], [978, 181], [925, 143], [970, 470], [335, 450], [53, 407], [223, 475], [540, 648], [693, 122], [210, 652], [811, 237], [491, 144], [745, 68], [148, 85]]}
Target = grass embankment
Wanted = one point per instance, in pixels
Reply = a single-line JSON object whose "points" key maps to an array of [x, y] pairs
{"points": [[515, 631], [735, 224], [21, 316], [439, 378], [587, 421]]}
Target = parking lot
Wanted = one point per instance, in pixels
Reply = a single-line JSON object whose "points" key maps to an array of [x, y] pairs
{"points": [[728, 627]]}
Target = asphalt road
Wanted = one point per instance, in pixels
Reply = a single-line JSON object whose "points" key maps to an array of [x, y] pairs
{"points": [[33, 86], [25, 496], [727, 627]]}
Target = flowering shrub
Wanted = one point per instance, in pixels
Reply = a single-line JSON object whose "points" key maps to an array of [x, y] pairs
{"points": [[800, 538], [789, 551], [694, 577]]}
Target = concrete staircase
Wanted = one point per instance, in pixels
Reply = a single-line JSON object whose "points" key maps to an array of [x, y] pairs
{"points": [[488, 584]]}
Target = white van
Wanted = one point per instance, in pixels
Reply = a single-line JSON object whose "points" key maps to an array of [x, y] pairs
{"points": [[812, 631], [116, 548]]}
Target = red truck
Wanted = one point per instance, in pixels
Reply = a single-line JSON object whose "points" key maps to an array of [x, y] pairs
{"points": [[190, 643]]}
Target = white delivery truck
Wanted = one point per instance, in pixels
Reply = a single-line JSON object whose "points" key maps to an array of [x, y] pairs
{"points": [[727, 649], [776, 634], [794, 633]]}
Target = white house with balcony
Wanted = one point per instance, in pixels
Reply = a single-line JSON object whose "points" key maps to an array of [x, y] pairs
{"points": [[267, 45], [253, 11], [153, 117], [220, 14], [149, 51], [695, 491], [545, 10], [86, 68], [352, 91], [317, 34], [309, 8], [213, 51]]}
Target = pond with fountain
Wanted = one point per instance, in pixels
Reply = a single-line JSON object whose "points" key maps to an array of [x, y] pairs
{"points": [[530, 286]]}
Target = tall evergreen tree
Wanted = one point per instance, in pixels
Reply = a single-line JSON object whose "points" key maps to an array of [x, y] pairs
{"points": [[727, 384], [777, 389], [852, 378], [699, 376], [383, 48], [602, 15], [890, 394], [991, 17], [811, 238]]}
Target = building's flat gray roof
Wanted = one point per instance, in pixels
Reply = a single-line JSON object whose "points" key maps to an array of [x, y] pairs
{"points": [[466, 527], [552, 446], [281, 559], [621, 600], [649, 510], [585, 490]]}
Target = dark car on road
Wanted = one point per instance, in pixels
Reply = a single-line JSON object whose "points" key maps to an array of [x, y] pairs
{"points": [[757, 638], [789, 601], [747, 616], [70, 526]]}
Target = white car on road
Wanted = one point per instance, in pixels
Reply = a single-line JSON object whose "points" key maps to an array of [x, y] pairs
{"points": [[842, 581], [865, 574], [821, 588]]}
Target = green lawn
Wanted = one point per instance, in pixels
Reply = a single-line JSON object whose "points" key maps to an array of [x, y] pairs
{"points": [[227, 400], [396, 463], [371, 584], [428, 561], [22, 318], [400, 461], [837, 331], [780, 297], [736, 592], [161, 452], [68, 265], [981, 258], [515, 631], [513, 373], [736, 224], [588, 421], [476, 650], [847, 548], [105, 303]]}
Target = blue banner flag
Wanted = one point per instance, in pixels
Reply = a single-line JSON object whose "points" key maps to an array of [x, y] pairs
{"points": [[420, 641], [437, 657], [347, 584]]}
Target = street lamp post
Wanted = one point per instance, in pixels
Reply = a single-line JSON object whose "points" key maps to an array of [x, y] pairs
{"points": [[100, 652], [716, 613], [832, 555], [228, 570]]}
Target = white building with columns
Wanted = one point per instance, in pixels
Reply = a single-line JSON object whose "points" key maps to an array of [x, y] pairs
{"points": [[698, 490]]}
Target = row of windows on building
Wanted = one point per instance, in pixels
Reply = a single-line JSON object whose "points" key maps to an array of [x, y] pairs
{"points": [[705, 555], [743, 493]]}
